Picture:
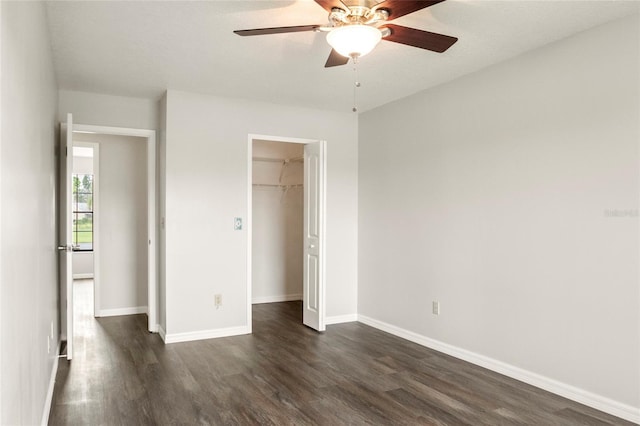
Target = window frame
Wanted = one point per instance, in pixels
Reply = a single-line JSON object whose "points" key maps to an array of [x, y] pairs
{"points": [[76, 212]]}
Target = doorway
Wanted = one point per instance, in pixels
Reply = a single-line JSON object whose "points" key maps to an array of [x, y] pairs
{"points": [[285, 225], [277, 221], [146, 233], [120, 248], [85, 201]]}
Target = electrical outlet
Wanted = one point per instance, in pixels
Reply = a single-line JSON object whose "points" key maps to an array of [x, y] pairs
{"points": [[217, 300], [237, 224], [436, 308]]}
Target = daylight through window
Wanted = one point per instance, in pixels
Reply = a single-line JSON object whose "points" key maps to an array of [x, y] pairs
{"points": [[83, 212]]}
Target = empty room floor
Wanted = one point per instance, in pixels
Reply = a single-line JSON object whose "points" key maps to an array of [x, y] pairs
{"points": [[285, 373]]}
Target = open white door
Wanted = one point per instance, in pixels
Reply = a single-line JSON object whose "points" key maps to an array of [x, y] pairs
{"points": [[65, 246], [313, 296]]}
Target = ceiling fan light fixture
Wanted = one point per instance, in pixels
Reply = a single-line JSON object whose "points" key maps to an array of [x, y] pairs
{"points": [[354, 41]]}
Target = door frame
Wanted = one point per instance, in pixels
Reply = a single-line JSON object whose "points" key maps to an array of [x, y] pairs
{"points": [[322, 214], [152, 231], [65, 230]]}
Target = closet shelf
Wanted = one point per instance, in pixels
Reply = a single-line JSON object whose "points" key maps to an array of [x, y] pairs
{"points": [[279, 160], [284, 161]]}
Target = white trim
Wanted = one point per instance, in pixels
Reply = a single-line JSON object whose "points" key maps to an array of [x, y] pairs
{"points": [[339, 319], [122, 311], [66, 217], [55, 256], [118, 131], [205, 334], [323, 237], [82, 276], [276, 299], [249, 228], [573, 393], [97, 293], [249, 221], [52, 383], [152, 233], [162, 333], [152, 208]]}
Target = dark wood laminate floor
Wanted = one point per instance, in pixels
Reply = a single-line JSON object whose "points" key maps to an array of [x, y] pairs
{"points": [[284, 374]]}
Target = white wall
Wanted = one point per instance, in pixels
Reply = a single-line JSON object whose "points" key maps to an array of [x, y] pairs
{"points": [[206, 187], [492, 195], [82, 264], [122, 230], [277, 223], [82, 165], [107, 110], [28, 285]]}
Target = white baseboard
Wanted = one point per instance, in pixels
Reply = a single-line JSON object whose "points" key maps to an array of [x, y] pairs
{"points": [[204, 334], [582, 396], [339, 319], [83, 276], [122, 311], [275, 299], [162, 333], [52, 383]]}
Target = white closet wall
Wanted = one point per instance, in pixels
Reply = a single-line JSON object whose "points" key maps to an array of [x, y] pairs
{"points": [[277, 221]]}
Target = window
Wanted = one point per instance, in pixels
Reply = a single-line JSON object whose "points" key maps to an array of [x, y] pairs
{"points": [[83, 212]]}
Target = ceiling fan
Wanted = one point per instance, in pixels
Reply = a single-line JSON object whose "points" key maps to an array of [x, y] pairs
{"points": [[356, 26]]}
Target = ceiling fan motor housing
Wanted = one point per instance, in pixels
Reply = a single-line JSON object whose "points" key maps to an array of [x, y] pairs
{"points": [[357, 15]]}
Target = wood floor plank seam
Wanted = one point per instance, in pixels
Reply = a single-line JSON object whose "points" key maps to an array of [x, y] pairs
{"points": [[286, 374]]}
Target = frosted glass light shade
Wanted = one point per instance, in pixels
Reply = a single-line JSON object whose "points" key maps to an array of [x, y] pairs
{"points": [[354, 40]]}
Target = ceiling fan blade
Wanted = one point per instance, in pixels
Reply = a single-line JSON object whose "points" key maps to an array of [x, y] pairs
{"points": [[398, 8], [335, 59], [330, 4], [277, 30], [419, 38]]}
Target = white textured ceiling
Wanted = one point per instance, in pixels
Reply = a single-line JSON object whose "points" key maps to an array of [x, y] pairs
{"points": [[142, 48]]}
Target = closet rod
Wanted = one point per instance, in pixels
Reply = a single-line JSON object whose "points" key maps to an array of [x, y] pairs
{"points": [[278, 160], [273, 185]]}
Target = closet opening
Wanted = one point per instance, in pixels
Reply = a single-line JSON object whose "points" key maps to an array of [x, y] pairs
{"points": [[286, 227], [277, 213]]}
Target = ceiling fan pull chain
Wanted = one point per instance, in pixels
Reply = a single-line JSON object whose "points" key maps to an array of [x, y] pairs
{"points": [[356, 84]]}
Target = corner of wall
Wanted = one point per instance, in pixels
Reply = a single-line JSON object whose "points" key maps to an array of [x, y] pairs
{"points": [[161, 200], [573, 393]]}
